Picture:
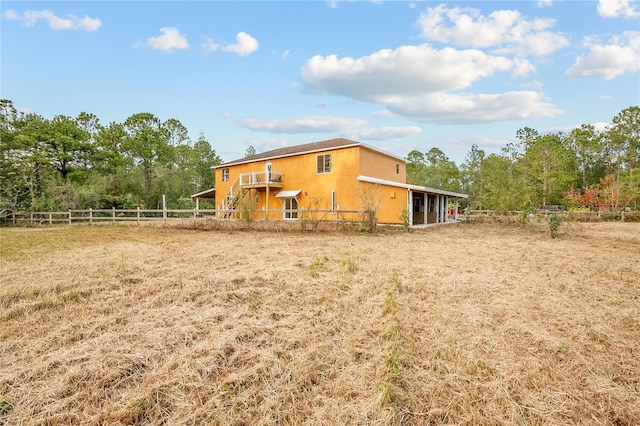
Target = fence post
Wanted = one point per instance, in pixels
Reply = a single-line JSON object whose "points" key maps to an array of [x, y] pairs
{"points": [[138, 215], [113, 215], [50, 215], [164, 207], [69, 214], [31, 220], [90, 216]]}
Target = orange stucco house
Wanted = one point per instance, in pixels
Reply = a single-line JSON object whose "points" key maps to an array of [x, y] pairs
{"points": [[336, 175]]}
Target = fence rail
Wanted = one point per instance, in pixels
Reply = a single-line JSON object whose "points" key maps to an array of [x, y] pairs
{"points": [[140, 215], [571, 215]]}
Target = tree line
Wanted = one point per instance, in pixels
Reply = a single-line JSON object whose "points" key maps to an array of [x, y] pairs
{"points": [[584, 169], [78, 163]]}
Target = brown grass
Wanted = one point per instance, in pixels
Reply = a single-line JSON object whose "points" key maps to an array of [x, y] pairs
{"points": [[467, 324]]}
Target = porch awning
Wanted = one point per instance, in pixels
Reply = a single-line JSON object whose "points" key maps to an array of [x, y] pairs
{"points": [[288, 194], [209, 193]]}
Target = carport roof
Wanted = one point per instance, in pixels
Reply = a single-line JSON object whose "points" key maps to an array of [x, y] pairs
{"points": [[207, 193], [411, 187]]}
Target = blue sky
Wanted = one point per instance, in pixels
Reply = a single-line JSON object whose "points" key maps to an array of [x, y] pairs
{"points": [[396, 75]]}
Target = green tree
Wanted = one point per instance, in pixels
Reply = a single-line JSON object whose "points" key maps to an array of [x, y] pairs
{"points": [[147, 145], [13, 184], [441, 173], [67, 145], [623, 142], [206, 159], [472, 177], [503, 184], [416, 168], [586, 144], [547, 164]]}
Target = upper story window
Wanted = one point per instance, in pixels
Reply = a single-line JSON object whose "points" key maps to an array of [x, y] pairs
{"points": [[323, 163], [225, 175], [397, 169]]}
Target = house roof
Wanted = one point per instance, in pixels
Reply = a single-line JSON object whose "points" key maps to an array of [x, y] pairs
{"points": [[302, 149]]}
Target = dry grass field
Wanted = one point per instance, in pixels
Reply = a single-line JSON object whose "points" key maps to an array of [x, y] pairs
{"points": [[478, 324]]}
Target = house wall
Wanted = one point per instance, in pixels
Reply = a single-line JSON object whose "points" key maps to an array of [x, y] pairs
{"points": [[391, 201], [299, 173], [375, 164]]}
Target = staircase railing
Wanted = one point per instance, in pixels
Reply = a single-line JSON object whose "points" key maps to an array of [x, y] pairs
{"points": [[231, 200]]}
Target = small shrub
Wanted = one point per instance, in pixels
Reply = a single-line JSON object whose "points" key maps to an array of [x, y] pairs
{"points": [[349, 265], [554, 225], [404, 217], [317, 265], [5, 407], [527, 213], [610, 217]]}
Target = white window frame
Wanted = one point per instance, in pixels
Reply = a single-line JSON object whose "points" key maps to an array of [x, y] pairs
{"points": [[288, 212], [225, 175], [324, 163]]}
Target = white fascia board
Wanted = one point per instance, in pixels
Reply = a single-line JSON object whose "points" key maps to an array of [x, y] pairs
{"points": [[206, 191], [411, 187]]}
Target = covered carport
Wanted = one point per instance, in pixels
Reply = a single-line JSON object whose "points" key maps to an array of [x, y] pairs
{"points": [[428, 206], [208, 194]]}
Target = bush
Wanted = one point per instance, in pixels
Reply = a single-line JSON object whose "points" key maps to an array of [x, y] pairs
{"points": [[554, 225], [610, 217]]}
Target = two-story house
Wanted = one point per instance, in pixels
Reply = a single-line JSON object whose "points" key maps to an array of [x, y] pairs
{"points": [[333, 175]]}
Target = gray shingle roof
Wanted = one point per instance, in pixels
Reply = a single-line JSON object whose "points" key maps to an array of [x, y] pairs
{"points": [[293, 150]]}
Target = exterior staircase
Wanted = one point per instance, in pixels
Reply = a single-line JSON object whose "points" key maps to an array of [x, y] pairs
{"points": [[231, 200]]}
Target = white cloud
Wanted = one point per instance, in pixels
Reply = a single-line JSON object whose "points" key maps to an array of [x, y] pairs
{"points": [[522, 68], [169, 40], [268, 144], [544, 3], [415, 81], [245, 45], [308, 124], [282, 54], [403, 71], [383, 133], [11, 15], [208, 45], [608, 61], [505, 30], [447, 108], [617, 8], [70, 22]]}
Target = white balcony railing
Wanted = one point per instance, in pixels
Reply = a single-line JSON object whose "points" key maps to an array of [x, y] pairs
{"points": [[260, 178]]}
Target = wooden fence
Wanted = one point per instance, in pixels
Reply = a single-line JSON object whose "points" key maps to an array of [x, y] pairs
{"points": [[570, 216], [138, 215]]}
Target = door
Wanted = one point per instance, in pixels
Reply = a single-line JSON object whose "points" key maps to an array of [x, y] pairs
{"points": [[290, 208], [267, 172], [418, 208]]}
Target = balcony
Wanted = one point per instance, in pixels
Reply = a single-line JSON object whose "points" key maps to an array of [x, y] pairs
{"points": [[260, 180]]}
